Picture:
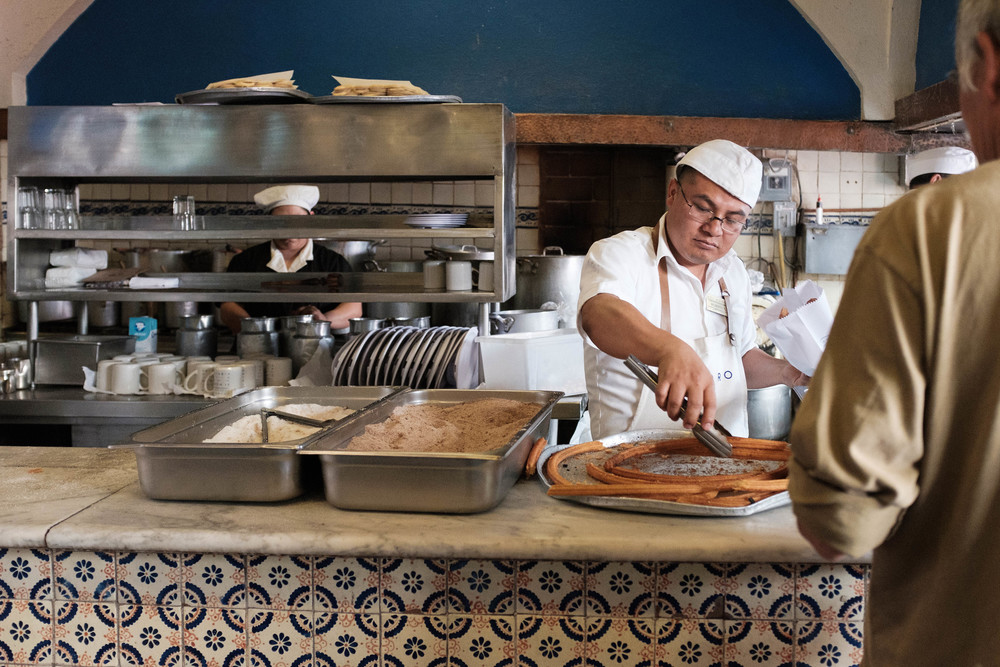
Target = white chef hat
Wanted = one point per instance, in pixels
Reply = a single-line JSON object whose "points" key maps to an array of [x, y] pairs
{"points": [[305, 196], [943, 160], [731, 167]]}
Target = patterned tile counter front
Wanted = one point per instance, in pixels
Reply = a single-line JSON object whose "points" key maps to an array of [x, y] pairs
{"points": [[93, 573]]}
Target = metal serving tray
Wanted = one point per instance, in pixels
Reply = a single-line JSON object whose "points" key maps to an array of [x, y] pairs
{"points": [[175, 464], [650, 505], [451, 483]]}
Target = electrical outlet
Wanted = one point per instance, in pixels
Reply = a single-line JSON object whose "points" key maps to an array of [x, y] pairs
{"points": [[785, 213]]}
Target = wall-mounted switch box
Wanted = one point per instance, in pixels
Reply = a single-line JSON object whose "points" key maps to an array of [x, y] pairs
{"points": [[777, 181], [785, 214]]}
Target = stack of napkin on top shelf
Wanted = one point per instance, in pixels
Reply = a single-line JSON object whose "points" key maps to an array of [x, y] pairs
{"points": [[72, 265]]}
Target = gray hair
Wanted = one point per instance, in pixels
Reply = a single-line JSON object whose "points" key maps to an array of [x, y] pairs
{"points": [[974, 16]]}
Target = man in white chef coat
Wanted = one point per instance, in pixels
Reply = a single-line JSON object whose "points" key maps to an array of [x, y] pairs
{"points": [[678, 297], [935, 164]]}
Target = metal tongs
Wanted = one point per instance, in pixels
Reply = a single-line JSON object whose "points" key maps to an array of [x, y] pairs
{"points": [[299, 419], [714, 439]]}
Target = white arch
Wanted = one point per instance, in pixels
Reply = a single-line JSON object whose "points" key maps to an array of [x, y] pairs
{"points": [[876, 41], [29, 29]]}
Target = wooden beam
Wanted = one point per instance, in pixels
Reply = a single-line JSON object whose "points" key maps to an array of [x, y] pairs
{"points": [[930, 107], [855, 136]]}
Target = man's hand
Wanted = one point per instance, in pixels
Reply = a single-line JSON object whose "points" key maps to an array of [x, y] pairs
{"points": [[821, 547], [682, 373]]}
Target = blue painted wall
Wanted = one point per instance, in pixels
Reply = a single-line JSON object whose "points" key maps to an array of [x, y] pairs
{"points": [[669, 57], [935, 41]]}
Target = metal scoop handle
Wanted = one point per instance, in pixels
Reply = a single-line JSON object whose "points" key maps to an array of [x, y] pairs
{"points": [[268, 412], [714, 439]]}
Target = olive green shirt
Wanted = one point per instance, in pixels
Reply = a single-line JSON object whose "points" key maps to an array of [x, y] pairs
{"points": [[896, 447]]}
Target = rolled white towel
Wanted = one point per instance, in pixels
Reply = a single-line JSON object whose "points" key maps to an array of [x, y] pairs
{"points": [[67, 276], [88, 257], [142, 282]]}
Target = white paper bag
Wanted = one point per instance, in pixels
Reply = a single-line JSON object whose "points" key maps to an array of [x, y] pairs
{"points": [[801, 335]]}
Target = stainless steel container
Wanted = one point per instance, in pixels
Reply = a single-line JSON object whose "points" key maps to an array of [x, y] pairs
{"points": [[172, 313], [103, 313], [391, 309], [549, 278], [252, 343], [196, 322], [174, 462], [59, 359], [523, 321], [313, 329], [360, 325], [450, 483], [258, 324], [307, 339], [286, 331], [196, 342], [769, 410]]}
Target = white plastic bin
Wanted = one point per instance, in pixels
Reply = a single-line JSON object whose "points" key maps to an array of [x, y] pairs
{"points": [[538, 360]]}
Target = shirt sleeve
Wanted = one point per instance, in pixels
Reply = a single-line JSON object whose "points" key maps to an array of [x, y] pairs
{"points": [[857, 440], [611, 267]]}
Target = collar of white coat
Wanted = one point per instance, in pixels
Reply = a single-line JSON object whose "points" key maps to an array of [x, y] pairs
{"points": [[277, 262], [716, 269]]}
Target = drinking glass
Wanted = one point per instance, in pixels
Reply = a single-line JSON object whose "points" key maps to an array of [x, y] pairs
{"points": [[54, 208], [27, 203]]}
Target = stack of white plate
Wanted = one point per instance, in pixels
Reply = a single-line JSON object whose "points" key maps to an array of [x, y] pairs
{"points": [[437, 220], [432, 358]]}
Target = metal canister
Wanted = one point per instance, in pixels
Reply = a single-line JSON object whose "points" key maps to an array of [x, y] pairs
{"points": [[286, 331], [307, 340]]}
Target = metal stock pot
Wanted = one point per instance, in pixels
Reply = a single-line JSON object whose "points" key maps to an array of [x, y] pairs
{"points": [[549, 278]]}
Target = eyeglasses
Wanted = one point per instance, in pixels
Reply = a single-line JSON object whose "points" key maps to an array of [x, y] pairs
{"points": [[703, 215]]}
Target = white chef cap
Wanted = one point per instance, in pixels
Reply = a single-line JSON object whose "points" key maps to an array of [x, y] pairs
{"points": [[731, 167], [943, 160], [305, 196]]}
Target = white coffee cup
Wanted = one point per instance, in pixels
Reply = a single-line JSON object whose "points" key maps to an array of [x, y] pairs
{"points": [[102, 379], [163, 377], [224, 381], [227, 359], [434, 274], [123, 357], [251, 369], [277, 371], [128, 378], [484, 277], [198, 373], [458, 275]]}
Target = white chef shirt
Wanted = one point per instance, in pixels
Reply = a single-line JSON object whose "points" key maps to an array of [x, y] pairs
{"points": [[277, 262], [625, 266]]}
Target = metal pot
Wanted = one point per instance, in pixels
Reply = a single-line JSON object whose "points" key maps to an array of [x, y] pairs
{"points": [[172, 313], [196, 342], [355, 252], [770, 412], [523, 321], [48, 311], [157, 260], [392, 309], [549, 278], [103, 313]]}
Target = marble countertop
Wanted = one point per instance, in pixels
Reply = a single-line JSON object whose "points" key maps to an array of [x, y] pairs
{"points": [[66, 498]]}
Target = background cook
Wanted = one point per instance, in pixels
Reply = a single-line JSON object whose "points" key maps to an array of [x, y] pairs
{"points": [[288, 256], [678, 297], [935, 164]]}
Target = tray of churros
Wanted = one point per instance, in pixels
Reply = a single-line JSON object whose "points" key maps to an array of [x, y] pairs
{"points": [[668, 471]]}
